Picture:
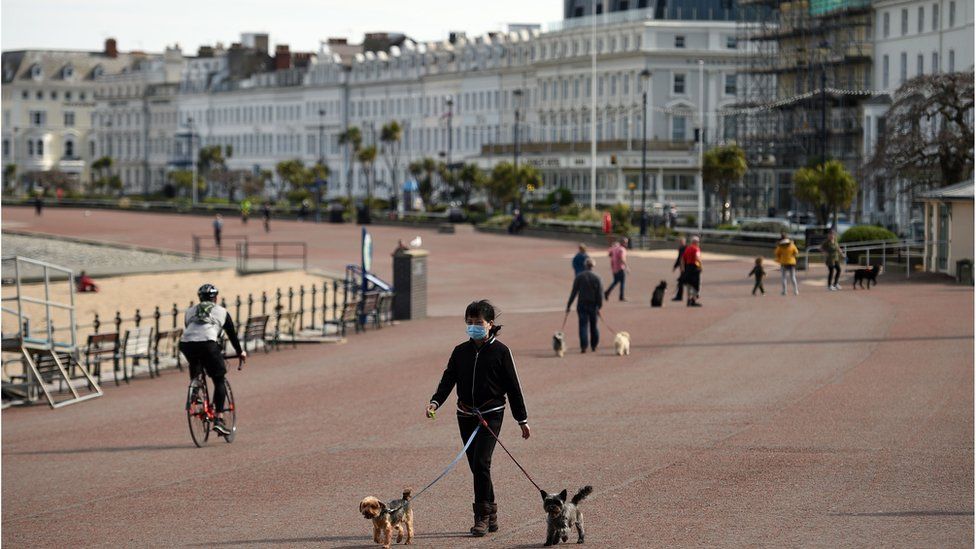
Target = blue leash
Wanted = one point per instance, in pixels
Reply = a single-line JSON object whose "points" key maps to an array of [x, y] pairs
{"points": [[446, 471]]}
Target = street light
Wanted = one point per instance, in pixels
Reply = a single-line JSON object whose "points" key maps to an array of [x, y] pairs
{"points": [[193, 164], [645, 81], [319, 182], [517, 97], [701, 143]]}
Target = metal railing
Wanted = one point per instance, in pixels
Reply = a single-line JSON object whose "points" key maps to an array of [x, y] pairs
{"points": [[208, 243], [49, 342], [247, 251], [900, 249]]}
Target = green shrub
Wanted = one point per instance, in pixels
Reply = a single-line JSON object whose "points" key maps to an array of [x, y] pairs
{"points": [[773, 227], [498, 221], [561, 196], [620, 215], [863, 233], [727, 227]]}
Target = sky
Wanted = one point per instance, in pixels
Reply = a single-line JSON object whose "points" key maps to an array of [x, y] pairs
{"points": [[152, 25]]}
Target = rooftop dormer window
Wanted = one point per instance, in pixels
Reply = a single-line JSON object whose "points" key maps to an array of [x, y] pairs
{"points": [[68, 72], [35, 72]]}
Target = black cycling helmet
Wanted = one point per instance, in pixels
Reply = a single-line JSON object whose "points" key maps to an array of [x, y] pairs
{"points": [[207, 292]]}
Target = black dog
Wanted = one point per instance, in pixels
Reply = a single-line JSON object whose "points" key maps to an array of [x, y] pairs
{"points": [[871, 275], [657, 298]]}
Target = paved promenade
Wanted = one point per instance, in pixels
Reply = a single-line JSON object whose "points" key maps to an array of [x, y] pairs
{"points": [[830, 419]]}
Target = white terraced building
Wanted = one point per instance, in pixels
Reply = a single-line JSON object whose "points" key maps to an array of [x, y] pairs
{"points": [[271, 116]]}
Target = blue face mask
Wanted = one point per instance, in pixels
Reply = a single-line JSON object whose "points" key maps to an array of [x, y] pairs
{"points": [[477, 332]]}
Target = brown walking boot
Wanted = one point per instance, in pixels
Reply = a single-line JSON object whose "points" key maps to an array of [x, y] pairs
{"points": [[480, 527], [492, 517]]}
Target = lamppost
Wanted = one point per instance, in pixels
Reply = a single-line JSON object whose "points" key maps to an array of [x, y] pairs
{"points": [[701, 142], [517, 96], [645, 81], [193, 163], [321, 133], [319, 182]]}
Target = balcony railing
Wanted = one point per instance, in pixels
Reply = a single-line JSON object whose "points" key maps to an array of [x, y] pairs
{"points": [[616, 145]]}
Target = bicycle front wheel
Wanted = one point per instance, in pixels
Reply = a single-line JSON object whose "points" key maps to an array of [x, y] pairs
{"points": [[230, 413], [196, 413]]}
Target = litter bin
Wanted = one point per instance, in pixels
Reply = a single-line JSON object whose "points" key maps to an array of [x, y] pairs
{"points": [[410, 284], [964, 271], [335, 212], [362, 215]]}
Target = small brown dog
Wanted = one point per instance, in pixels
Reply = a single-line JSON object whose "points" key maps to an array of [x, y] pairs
{"points": [[386, 518]]}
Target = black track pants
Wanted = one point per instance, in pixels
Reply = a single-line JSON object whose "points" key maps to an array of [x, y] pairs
{"points": [[479, 453]]}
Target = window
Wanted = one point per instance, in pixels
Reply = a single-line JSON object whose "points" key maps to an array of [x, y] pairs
{"points": [[884, 71], [903, 73], [40, 147], [935, 62], [679, 41], [69, 149], [679, 84], [920, 69], [952, 14], [69, 119], [39, 95], [728, 127], [921, 19], [886, 25], [679, 128], [38, 118], [54, 95], [24, 94], [30, 147], [731, 42], [730, 84], [935, 17], [626, 84], [67, 95], [952, 60], [6, 147], [904, 22], [613, 85]]}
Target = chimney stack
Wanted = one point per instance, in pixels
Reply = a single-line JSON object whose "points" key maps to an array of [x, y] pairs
{"points": [[282, 57], [111, 49]]}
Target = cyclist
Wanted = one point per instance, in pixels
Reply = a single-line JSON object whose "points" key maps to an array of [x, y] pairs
{"points": [[203, 324]]}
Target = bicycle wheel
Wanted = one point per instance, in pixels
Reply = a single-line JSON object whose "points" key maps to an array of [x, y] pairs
{"points": [[230, 413], [196, 412]]}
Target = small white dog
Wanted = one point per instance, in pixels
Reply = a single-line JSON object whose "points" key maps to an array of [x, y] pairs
{"points": [[559, 344], [621, 344]]}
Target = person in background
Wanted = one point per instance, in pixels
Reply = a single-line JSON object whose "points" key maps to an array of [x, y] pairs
{"points": [[786, 254], [834, 257], [84, 283], [579, 260], [692, 267], [245, 210], [618, 266], [266, 214], [760, 274], [218, 227], [587, 287], [679, 266]]}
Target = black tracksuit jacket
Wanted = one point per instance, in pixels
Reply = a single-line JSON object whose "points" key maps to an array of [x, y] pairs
{"points": [[484, 377]]}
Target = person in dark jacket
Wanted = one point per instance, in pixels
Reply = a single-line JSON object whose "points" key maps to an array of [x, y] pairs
{"points": [[483, 370], [589, 289], [679, 266]]}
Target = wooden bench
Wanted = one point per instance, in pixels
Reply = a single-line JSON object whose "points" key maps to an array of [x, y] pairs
{"points": [[137, 345], [370, 308], [383, 312], [167, 343], [256, 330], [98, 348], [349, 313], [286, 325]]}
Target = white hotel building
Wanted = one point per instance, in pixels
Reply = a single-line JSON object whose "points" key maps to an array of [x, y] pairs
{"points": [[272, 116]]}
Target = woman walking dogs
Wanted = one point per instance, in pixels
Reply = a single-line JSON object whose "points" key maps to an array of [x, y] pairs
{"points": [[483, 370]]}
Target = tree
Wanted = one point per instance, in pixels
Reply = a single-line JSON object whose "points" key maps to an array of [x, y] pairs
{"points": [[10, 176], [100, 170], [391, 136], [297, 176], [352, 138], [828, 187], [182, 180], [470, 178], [723, 167], [504, 187], [928, 133], [423, 171], [367, 159], [211, 162]]}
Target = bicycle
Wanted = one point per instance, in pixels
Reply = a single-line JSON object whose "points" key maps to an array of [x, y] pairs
{"points": [[200, 413]]}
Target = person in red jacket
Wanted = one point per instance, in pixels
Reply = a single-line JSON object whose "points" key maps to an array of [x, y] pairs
{"points": [[691, 261], [85, 283]]}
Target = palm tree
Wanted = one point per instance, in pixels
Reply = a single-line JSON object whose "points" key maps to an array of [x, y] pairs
{"points": [[829, 187], [425, 167], [352, 138], [391, 135], [724, 167], [367, 158]]}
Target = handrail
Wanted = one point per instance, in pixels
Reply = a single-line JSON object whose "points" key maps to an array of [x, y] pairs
{"points": [[244, 253], [883, 246]]}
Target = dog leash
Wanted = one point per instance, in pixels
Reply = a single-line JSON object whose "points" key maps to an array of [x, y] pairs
{"points": [[500, 443], [599, 313], [444, 473], [565, 318]]}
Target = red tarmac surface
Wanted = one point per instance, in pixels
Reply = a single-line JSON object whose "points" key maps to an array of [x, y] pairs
{"points": [[829, 419]]}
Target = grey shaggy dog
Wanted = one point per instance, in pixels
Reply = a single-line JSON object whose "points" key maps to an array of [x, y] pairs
{"points": [[561, 517]]}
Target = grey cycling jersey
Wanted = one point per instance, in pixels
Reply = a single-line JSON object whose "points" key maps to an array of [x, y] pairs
{"points": [[203, 325]]}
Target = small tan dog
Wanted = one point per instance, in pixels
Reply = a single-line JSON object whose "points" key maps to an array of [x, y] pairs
{"points": [[397, 515], [621, 344]]}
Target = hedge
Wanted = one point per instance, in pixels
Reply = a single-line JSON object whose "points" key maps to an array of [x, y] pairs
{"points": [[864, 233]]}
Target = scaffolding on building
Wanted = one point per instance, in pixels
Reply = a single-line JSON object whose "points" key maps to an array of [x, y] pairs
{"points": [[806, 65]]}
